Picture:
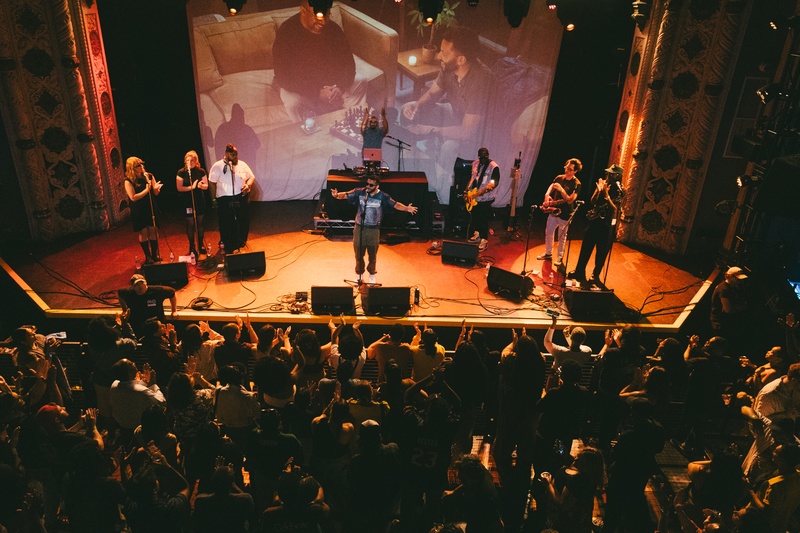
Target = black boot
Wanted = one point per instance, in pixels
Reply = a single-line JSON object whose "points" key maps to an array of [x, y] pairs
{"points": [[148, 259], [154, 251], [201, 242], [192, 249]]}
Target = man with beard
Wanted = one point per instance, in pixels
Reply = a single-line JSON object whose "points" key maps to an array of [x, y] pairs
{"points": [[454, 107]]}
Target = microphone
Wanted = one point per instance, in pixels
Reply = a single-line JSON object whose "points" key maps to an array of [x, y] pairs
{"points": [[396, 139], [619, 187]]}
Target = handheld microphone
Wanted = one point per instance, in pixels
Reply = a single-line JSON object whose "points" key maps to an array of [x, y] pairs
{"points": [[619, 187]]}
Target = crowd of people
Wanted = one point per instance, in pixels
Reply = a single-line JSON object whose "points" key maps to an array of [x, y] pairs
{"points": [[257, 428]]}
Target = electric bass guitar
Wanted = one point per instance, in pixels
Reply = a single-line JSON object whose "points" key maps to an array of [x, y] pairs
{"points": [[471, 197]]}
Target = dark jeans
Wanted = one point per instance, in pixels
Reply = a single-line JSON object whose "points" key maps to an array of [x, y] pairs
{"points": [[481, 214], [234, 221], [598, 235]]}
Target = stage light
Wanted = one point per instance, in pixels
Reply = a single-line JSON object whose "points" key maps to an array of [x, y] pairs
{"points": [[320, 7], [641, 10], [745, 180], [552, 5], [515, 11], [234, 6], [725, 207], [570, 26], [768, 93], [430, 9]]}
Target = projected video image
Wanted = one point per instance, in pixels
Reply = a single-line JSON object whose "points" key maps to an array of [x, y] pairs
{"points": [[291, 91]]}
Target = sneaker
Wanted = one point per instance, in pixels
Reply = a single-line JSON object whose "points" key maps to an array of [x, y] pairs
{"points": [[544, 257], [475, 237], [484, 244], [557, 262], [372, 280]]}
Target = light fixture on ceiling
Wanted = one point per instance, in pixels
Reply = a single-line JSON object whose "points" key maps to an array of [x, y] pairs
{"points": [[745, 180], [515, 11], [430, 9], [320, 7], [769, 92], [234, 6]]}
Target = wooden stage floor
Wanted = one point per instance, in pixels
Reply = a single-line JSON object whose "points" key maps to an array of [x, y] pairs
{"points": [[79, 278]]}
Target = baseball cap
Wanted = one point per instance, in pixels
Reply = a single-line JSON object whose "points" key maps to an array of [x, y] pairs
{"points": [[736, 272], [137, 278], [615, 169]]}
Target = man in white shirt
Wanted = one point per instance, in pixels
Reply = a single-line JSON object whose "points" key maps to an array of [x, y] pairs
{"points": [[231, 181], [132, 393], [575, 349]]}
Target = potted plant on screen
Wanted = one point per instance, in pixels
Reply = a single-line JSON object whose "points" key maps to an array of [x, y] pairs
{"points": [[446, 18]]}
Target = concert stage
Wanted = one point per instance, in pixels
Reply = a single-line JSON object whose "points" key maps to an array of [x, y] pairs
{"points": [[78, 279]]}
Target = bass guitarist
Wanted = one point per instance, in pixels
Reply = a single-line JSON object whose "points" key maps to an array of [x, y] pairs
{"points": [[558, 200], [479, 195], [602, 217]]}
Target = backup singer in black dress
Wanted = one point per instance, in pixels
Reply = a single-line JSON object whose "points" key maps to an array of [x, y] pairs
{"points": [[193, 182], [142, 189]]}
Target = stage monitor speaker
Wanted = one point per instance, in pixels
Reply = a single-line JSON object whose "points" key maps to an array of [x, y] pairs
{"points": [[332, 300], [459, 253], [176, 275], [509, 285], [387, 301], [249, 265], [589, 305]]}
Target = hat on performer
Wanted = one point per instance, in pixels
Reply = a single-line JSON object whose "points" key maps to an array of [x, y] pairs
{"points": [[137, 278], [615, 169], [735, 272]]}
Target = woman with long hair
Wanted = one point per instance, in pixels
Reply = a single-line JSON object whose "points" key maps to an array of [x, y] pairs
{"points": [[426, 352], [142, 189], [572, 490], [191, 180], [197, 345], [188, 409]]}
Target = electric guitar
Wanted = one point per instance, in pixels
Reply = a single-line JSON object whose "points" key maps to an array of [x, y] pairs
{"points": [[471, 197], [551, 206]]}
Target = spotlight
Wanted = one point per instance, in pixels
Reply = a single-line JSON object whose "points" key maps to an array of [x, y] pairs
{"points": [[320, 7], [552, 5], [768, 93], [570, 26], [641, 10], [725, 207], [745, 180], [515, 11], [430, 9], [234, 6]]}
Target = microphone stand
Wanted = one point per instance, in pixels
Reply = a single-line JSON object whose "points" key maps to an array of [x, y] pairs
{"points": [[196, 236], [400, 162], [565, 261], [612, 233], [147, 177], [528, 241]]}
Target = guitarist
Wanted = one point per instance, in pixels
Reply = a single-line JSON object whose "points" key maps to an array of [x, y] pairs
{"points": [[479, 196], [558, 200], [602, 218]]}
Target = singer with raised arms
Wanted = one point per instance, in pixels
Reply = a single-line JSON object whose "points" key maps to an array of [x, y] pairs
{"points": [[558, 204], [142, 189], [231, 181], [192, 183], [370, 202], [373, 133]]}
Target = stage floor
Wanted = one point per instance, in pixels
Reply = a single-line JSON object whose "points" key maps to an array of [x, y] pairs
{"points": [[79, 276]]}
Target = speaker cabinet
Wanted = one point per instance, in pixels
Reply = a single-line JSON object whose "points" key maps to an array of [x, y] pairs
{"points": [[387, 301], [509, 285], [590, 305], [459, 253], [249, 265], [176, 275], [332, 300]]}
